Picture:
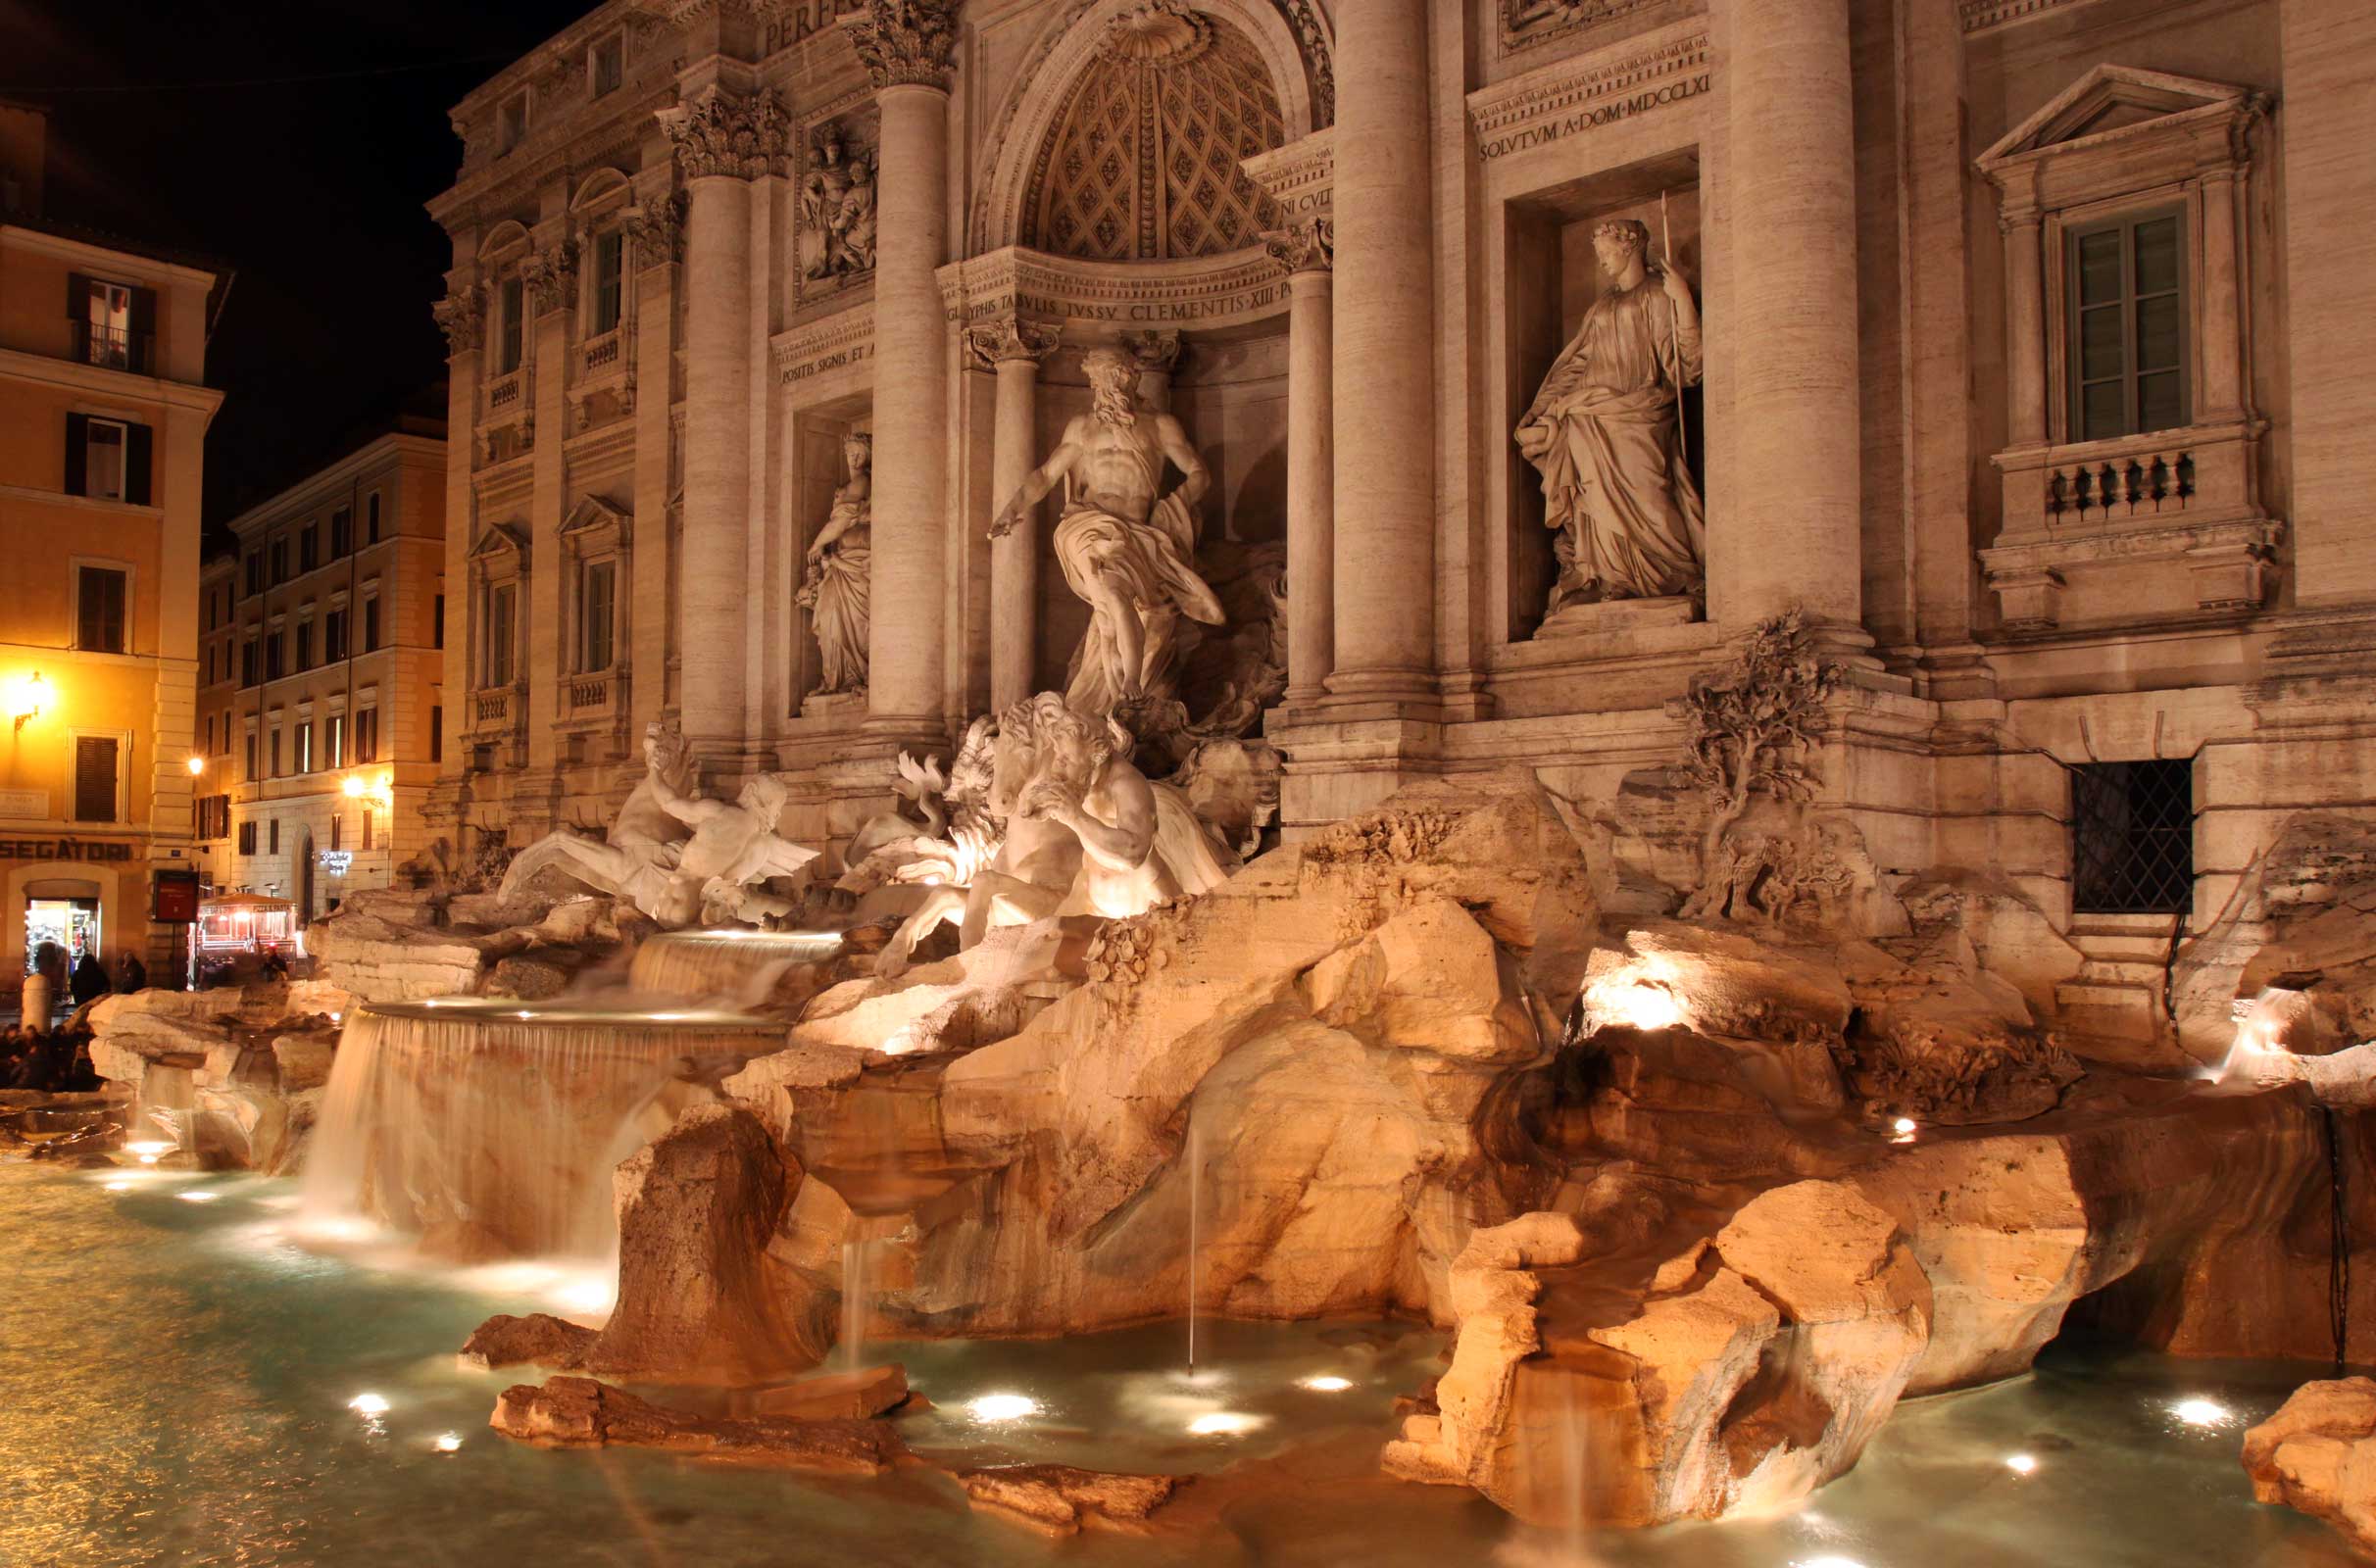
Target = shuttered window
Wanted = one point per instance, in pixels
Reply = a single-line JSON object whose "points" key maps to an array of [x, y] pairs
{"points": [[366, 735], [596, 603], [94, 779], [99, 609], [2126, 286]]}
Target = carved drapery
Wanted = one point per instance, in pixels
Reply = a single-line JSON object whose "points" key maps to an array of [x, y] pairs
{"points": [[904, 42], [1009, 337], [550, 276], [463, 317], [726, 133], [657, 230]]}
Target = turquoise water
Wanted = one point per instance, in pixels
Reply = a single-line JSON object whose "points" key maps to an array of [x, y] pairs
{"points": [[175, 1383]]}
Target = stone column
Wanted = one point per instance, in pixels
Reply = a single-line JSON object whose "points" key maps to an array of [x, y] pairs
{"points": [[1304, 252], [461, 314], [724, 141], [1011, 349], [657, 228], [1790, 194], [549, 277], [1158, 357], [2024, 326], [905, 46], [1384, 357]]}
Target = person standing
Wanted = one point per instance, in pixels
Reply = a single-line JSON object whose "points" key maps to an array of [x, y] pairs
{"points": [[131, 974], [88, 981]]}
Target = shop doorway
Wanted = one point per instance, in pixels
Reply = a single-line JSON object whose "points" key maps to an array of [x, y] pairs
{"points": [[73, 923]]}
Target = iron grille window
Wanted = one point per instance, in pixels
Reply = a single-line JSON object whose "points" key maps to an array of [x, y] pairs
{"points": [[2133, 838]]}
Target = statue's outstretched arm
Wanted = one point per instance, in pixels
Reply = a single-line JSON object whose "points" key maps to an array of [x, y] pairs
{"points": [[1039, 481]]}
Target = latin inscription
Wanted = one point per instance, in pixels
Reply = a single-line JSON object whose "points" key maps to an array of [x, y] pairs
{"points": [[1609, 114]]}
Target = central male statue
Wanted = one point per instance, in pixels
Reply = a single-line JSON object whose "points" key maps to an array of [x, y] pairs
{"points": [[1125, 552], [1603, 429]]}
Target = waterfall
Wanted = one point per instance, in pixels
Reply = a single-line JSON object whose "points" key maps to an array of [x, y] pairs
{"points": [[856, 1300], [1196, 1181], [731, 964], [493, 1128]]}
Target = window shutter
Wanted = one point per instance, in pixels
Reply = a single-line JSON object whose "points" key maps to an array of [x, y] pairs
{"points": [[144, 330], [78, 454], [94, 779], [136, 452], [78, 297]]}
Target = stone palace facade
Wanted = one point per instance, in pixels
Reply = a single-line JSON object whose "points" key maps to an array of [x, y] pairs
{"points": [[1529, 356]]}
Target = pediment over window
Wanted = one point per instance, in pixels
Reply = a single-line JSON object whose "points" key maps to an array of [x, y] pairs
{"points": [[500, 541], [593, 517], [2114, 99]]}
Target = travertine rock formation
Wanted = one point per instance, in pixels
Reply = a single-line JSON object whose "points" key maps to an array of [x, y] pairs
{"points": [[2318, 1453], [579, 1412], [1059, 1499]]}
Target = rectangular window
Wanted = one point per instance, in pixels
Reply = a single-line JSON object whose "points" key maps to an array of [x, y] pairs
{"points": [[337, 822], [276, 648], [342, 533], [250, 773], [210, 734], [607, 267], [304, 747], [366, 735], [437, 624], [371, 626], [94, 779], [610, 63], [508, 328], [512, 122], [255, 571], [305, 645], [99, 609], [247, 663], [499, 635], [370, 518], [595, 601], [334, 636], [309, 548], [247, 836], [2128, 321], [436, 734], [105, 444], [280, 561], [337, 740], [368, 816], [2132, 837], [107, 325], [274, 756], [272, 828]]}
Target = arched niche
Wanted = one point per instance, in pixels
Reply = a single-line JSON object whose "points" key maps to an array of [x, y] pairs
{"points": [[1043, 90]]}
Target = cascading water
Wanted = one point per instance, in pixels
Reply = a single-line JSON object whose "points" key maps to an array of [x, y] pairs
{"points": [[492, 1129], [730, 964], [1196, 1181], [856, 1300]]}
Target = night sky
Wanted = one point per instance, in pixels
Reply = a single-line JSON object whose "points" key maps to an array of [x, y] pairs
{"points": [[296, 144]]}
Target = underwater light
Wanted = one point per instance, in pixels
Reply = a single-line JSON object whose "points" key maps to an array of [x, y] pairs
{"points": [[1225, 1424], [2200, 1412], [148, 1160], [198, 1195], [1327, 1383], [1828, 1562], [2020, 1464], [117, 1187], [448, 1441], [368, 1405], [1905, 1126], [146, 1146], [1002, 1408]]}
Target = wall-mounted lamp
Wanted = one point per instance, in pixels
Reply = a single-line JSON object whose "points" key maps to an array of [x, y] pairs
{"points": [[380, 790], [30, 696], [197, 766]]}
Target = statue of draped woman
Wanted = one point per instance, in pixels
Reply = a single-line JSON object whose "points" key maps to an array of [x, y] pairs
{"points": [[1605, 434], [835, 590]]}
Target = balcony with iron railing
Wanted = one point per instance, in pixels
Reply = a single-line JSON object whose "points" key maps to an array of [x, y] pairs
{"points": [[114, 348]]}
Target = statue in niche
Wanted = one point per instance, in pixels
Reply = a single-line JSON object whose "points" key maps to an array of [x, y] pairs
{"points": [[835, 589], [1125, 552], [675, 855], [1604, 432], [837, 207], [1085, 833]]}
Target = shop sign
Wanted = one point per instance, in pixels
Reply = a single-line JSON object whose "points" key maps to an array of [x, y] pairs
{"points": [[24, 802], [173, 897], [89, 850]]}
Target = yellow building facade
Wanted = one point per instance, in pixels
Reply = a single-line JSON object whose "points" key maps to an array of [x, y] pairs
{"points": [[103, 419]]}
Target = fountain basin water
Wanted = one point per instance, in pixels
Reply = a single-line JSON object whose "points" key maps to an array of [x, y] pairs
{"points": [[490, 1128]]}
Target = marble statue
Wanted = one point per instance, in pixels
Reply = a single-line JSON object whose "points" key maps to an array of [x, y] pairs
{"points": [[957, 836], [835, 589], [1124, 550], [1085, 833], [675, 854], [1604, 432]]}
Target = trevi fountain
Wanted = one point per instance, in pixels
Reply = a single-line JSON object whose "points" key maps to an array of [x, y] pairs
{"points": [[1287, 877]]}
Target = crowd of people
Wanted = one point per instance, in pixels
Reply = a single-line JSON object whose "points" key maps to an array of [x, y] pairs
{"points": [[45, 1053]]}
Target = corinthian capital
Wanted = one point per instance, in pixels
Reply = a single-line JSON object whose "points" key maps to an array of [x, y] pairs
{"points": [[904, 42], [725, 133], [462, 315], [550, 276], [658, 229], [1157, 350], [1308, 247], [1009, 337]]}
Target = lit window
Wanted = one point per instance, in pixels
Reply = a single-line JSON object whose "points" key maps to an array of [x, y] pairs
{"points": [[337, 738], [104, 444], [108, 325]]}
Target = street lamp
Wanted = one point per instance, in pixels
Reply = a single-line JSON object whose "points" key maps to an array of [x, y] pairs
{"points": [[30, 696], [197, 764]]}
